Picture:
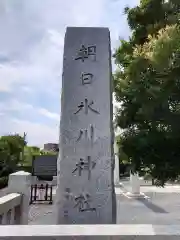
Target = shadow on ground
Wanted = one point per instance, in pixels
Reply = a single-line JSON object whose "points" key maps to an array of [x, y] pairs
{"points": [[155, 208]]}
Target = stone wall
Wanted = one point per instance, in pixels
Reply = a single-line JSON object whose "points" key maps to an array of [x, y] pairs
{"points": [[14, 206]]}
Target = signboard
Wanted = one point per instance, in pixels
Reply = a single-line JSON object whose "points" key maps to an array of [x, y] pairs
{"points": [[44, 165]]}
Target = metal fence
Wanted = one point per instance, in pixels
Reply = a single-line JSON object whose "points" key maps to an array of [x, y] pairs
{"points": [[41, 193]]}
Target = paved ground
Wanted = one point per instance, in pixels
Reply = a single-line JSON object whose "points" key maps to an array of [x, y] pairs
{"points": [[42, 213], [162, 207]]}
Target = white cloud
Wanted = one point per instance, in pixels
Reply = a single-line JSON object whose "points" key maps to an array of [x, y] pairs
{"points": [[24, 108], [31, 53], [49, 114], [14, 105], [9, 76], [26, 89], [43, 67], [37, 133]]}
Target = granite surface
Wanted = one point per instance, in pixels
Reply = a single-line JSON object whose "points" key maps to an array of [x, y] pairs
{"points": [[85, 192]]}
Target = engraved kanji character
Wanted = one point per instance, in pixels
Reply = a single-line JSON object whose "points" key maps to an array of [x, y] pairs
{"points": [[85, 133], [83, 203], [85, 165], [85, 52], [81, 134], [86, 78], [86, 106]]}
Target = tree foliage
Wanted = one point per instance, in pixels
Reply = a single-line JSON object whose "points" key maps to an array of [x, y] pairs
{"points": [[148, 86], [11, 147], [30, 151], [14, 152]]}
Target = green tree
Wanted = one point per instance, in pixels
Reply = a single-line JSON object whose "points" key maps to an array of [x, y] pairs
{"points": [[123, 158], [144, 20], [147, 85], [4, 157], [35, 149], [11, 147], [29, 152], [44, 152]]}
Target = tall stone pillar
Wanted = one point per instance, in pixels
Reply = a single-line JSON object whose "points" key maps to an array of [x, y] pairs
{"points": [[85, 193]]}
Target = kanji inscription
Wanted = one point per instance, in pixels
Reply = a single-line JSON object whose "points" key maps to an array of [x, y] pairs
{"points": [[83, 203], [83, 133], [86, 51], [86, 78], [85, 165], [85, 193], [86, 106]]}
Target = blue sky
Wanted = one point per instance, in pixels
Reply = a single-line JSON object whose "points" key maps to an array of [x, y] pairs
{"points": [[31, 48]]}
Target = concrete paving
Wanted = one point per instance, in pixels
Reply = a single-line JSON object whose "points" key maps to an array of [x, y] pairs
{"points": [[41, 214], [162, 207]]}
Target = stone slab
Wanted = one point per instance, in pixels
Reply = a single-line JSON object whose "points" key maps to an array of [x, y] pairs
{"points": [[85, 192], [77, 230], [90, 232], [9, 202]]}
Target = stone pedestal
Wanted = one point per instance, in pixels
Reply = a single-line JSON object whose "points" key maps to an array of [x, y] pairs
{"points": [[19, 182], [85, 193], [135, 187], [135, 183]]}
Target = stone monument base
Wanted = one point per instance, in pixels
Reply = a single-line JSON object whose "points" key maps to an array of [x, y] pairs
{"points": [[136, 195]]}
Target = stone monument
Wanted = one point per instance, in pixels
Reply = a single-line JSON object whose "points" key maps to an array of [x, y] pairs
{"points": [[85, 193]]}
